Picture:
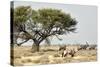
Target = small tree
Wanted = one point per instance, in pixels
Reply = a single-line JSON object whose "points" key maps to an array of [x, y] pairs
{"points": [[40, 24]]}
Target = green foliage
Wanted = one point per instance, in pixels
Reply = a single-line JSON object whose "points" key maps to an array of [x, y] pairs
{"points": [[42, 23], [54, 18], [21, 14]]}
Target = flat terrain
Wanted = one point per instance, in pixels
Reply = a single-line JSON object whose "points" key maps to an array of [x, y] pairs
{"points": [[50, 55]]}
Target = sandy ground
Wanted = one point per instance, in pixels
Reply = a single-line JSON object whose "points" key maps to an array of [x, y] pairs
{"points": [[50, 55]]}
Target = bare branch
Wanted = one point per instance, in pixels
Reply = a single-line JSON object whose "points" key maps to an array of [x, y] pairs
{"points": [[23, 42], [58, 37]]}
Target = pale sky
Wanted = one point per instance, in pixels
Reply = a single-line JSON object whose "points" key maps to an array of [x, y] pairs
{"points": [[85, 15]]}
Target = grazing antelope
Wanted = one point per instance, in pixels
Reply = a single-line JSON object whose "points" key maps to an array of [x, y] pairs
{"points": [[68, 52], [91, 47], [84, 47]]}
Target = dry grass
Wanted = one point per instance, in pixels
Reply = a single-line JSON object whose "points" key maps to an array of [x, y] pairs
{"points": [[50, 55]]}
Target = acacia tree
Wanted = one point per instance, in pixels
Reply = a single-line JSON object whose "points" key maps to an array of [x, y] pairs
{"points": [[40, 24]]}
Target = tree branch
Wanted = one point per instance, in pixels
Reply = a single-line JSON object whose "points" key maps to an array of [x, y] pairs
{"points": [[22, 42]]}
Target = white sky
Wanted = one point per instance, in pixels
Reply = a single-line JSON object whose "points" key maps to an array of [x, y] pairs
{"points": [[85, 15]]}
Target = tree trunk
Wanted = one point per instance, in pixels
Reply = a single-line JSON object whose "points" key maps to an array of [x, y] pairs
{"points": [[35, 47]]}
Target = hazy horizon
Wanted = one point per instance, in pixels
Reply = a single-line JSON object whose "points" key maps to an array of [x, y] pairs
{"points": [[85, 15]]}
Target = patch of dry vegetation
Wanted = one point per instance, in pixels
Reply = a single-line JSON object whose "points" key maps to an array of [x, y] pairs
{"points": [[50, 55]]}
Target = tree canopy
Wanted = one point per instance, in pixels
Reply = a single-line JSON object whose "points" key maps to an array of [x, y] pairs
{"points": [[40, 24]]}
